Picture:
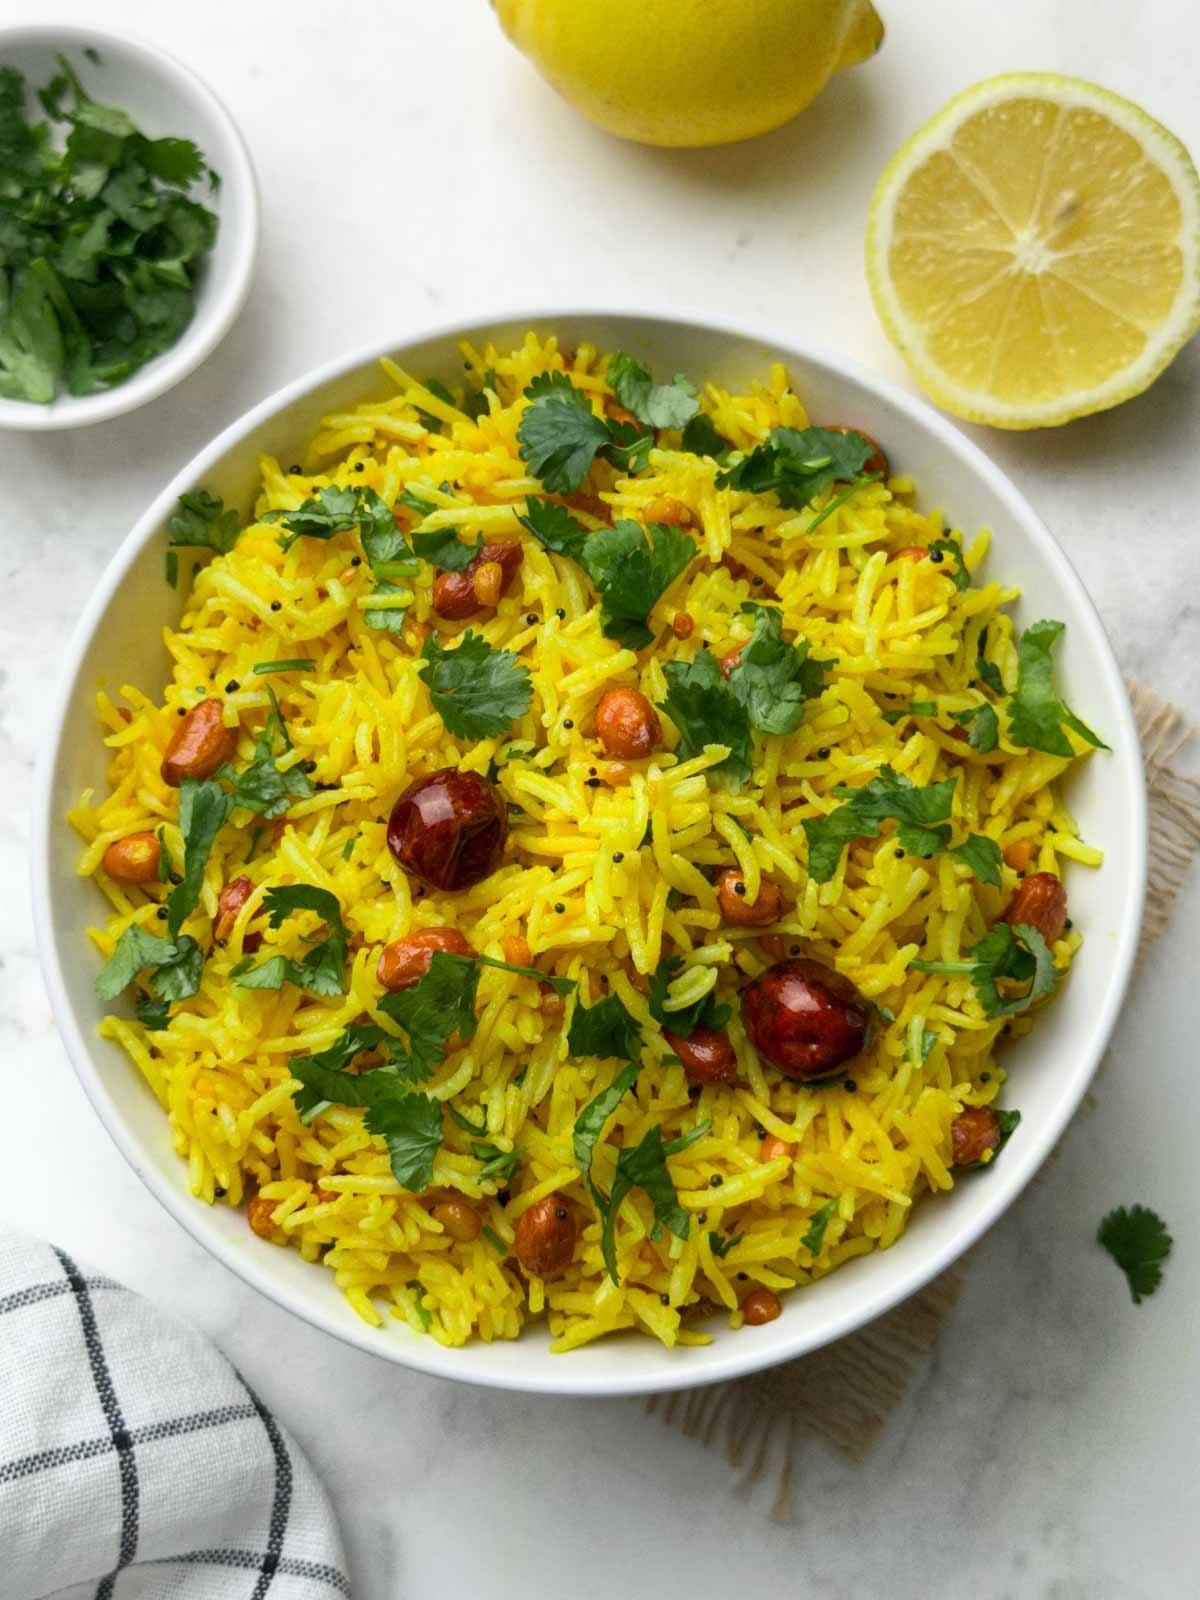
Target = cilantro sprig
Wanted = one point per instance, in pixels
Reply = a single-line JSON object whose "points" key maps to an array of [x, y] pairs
{"points": [[323, 970], [1137, 1240], [799, 464], [201, 523], [178, 964], [774, 680], [922, 815], [632, 567], [1018, 955], [706, 711], [476, 689], [408, 1121], [560, 435], [555, 528], [658, 405], [1037, 715]]}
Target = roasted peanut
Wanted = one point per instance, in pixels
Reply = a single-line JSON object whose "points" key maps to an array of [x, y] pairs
{"points": [[406, 961], [459, 1218], [627, 724], [258, 1215], [616, 773], [551, 1005], [665, 508], [1019, 854], [486, 581], [973, 1133], [911, 552], [133, 859], [516, 951], [683, 625], [760, 1306], [730, 660], [454, 593], [200, 744], [742, 912], [773, 1147], [706, 1055], [1040, 902], [230, 901], [545, 1238], [876, 461]]}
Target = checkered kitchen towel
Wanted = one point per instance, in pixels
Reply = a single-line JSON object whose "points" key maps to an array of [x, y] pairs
{"points": [[135, 1464]]}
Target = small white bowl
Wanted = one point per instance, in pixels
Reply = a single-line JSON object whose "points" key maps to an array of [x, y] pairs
{"points": [[119, 640], [164, 98]]}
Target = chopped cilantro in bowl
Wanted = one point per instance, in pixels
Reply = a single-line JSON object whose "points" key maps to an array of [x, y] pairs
{"points": [[127, 236]]}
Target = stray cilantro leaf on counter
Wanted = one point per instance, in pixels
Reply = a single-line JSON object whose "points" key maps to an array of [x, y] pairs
{"points": [[475, 689], [1018, 954], [705, 1012], [204, 809], [721, 1246], [202, 523], [700, 438], [323, 970], [555, 528], [814, 1238], [706, 711], [1137, 1240], [772, 679], [798, 464], [984, 725], [1037, 715], [632, 568], [952, 548], [605, 1030], [443, 549], [589, 1125], [409, 1122], [921, 813], [100, 244], [658, 405]]}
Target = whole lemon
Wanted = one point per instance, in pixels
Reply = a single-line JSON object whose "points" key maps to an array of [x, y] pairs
{"points": [[690, 72]]}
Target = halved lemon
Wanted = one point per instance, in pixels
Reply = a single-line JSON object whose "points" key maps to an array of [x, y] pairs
{"points": [[1034, 251]]}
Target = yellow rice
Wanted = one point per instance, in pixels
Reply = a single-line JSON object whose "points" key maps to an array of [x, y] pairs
{"points": [[896, 626]]}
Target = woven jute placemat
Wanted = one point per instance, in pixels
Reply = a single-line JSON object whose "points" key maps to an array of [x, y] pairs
{"points": [[845, 1393]]}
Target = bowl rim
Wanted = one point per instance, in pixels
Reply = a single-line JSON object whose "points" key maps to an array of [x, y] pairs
{"points": [[738, 1358], [211, 322]]}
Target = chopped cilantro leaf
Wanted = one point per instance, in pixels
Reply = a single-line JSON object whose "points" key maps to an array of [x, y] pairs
{"points": [[555, 528], [135, 950], [604, 1030], [1019, 955], [700, 438], [560, 435], [814, 1238], [952, 548], [982, 855], [1137, 1240], [632, 568], [322, 970], [642, 1166], [916, 708], [475, 689], [292, 664], [706, 711], [798, 464], [496, 1242], [1037, 714], [261, 787], [204, 809], [202, 522], [984, 725], [445, 550], [499, 1166], [988, 671], [658, 405], [705, 1012], [721, 1245], [409, 1122], [178, 977], [589, 1124], [154, 1015], [440, 1004], [772, 679], [341, 509], [921, 815]]}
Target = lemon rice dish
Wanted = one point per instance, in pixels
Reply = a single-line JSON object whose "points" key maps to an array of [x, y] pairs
{"points": [[592, 842]]}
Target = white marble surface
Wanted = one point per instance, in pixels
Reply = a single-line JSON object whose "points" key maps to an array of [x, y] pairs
{"points": [[414, 169]]}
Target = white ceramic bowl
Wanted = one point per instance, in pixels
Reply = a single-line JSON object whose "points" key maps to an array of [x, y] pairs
{"points": [[118, 641], [164, 98]]}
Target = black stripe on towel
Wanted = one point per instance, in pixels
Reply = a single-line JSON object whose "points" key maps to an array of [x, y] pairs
{"points": [[281, 1503], [109, 1404]]}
